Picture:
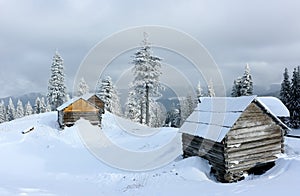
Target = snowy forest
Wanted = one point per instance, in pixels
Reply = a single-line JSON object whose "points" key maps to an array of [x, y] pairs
{"points": [[143, 105]]}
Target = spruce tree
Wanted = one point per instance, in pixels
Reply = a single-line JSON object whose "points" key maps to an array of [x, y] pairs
{"points": [[20, 109], [82, 88], [246, 83], [56, 88], [294, 103], [28, 109], [199, 90], [2, 112], [10, 111], [43, 105], [108, 93], [236, 88], [145, 85], [285, 90], [210, 89], [37, 106]]}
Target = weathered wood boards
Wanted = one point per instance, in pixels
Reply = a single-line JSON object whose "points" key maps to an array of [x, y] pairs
{"points": [[88, 107], [253, 142]]}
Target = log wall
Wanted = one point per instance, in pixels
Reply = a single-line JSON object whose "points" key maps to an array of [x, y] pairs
{"points": [[254, 140]]}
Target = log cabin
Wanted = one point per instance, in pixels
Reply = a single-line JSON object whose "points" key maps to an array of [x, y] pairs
{"points": [[237, 135], [89, 107]]}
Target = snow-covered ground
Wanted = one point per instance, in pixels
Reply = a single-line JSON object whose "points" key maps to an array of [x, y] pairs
{"points": [[48, 161]]}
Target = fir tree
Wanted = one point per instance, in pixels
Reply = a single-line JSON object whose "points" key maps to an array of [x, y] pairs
{"points": [[199, 90], [236, 89], [108, 93], [28, 109], [294, 103], [146, 85], [210, 89], [82, 88], [20, 109], [243, 86], [285, 90], [43, 105], [56, 88], [246, 83], [37, 106], [10, 111], [2, 112]]}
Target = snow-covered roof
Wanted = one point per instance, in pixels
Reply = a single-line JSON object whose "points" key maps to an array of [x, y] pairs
{"points": [[275, 106], [214, 116], [66, 104]]}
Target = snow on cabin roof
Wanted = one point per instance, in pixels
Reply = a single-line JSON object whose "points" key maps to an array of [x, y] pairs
{"points": [[66, 104], [214, 116], [275, 106]]}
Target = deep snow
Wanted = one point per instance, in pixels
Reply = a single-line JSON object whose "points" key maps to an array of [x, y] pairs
{"points": [[48, 161]]}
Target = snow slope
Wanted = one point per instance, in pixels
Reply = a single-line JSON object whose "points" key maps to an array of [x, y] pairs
{"points": [[48, 161]]}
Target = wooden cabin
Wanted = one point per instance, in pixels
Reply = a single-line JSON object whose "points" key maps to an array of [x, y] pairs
{"points": [[89, 107], [237, 135]]}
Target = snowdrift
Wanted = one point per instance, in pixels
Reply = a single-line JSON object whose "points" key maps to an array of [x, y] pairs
{"points": [[49, 161]]}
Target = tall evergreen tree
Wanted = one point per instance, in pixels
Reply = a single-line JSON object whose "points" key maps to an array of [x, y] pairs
{"points": [[294, 103], [246, 83], [56, 88], [43, 105], [146, 85], [108, 93], [199, 90], [10, 111], [28, 109], [82, 88], [20, 109], [243, 86], [37, 106], [285, 90], [2, 112], [210, 89], [236, 89]]}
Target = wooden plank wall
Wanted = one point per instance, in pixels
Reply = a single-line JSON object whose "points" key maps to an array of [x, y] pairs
{"points": [[254, 140], [70, 118]]}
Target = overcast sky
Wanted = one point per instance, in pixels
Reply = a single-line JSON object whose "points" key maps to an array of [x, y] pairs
{"points": [[265, 34]]}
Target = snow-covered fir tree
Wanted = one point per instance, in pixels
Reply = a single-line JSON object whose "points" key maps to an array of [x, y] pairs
{"points": [[285, 90], [20, 109], [10, 111], [82, 88], [236, 88], [145, 85], [199, 90], [108, 93], [2, 112], [246, 83], [28, 109], [243, 86], [37, 105], [43, 106], [210, 89], [294, 103], [48, 107], [132, 107], [56, 88]]}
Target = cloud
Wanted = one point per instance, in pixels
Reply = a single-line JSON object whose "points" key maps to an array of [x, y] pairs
{"points": [[262, 33]]}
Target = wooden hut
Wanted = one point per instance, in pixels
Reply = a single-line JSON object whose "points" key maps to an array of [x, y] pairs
{"points": [[89, 107], [236, 135]]}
